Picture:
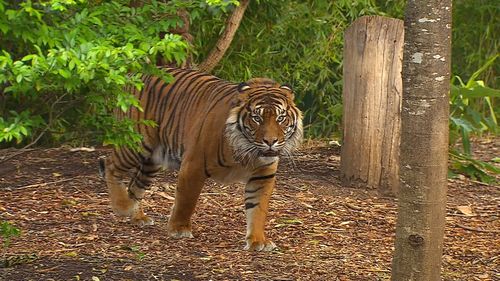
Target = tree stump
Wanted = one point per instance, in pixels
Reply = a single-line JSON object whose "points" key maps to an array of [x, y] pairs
{"points": [[373, 52]]}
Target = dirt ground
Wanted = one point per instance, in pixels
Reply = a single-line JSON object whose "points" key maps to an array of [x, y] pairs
{"points": [[324, 231]]}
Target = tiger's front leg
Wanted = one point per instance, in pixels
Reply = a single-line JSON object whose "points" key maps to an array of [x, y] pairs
{"points": [[257, 195], [190, 182]]}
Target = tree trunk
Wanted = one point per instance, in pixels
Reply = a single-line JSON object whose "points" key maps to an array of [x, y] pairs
{"points": [[373, 50], [220, 48], [424, 141]]}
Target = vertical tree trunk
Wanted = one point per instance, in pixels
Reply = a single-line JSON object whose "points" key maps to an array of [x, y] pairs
{"points": [[424, 141], [373, 52]]}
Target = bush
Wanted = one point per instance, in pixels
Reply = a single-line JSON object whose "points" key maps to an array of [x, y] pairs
{"points": [[472, 113], [64, 66]]}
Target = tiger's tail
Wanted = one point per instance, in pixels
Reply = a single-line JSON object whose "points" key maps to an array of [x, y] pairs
{"points": [[102, 166]]}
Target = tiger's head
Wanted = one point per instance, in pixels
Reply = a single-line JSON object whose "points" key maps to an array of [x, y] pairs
{"points": [[264, 121]]}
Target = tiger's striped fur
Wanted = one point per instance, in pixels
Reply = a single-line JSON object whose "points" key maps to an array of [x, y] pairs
{"points": [[207, 128]]}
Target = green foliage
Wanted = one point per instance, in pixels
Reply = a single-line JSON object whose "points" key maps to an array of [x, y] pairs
{"points": [[472, 113], [295, 42], [64, 65], [475, 38], [472, 109], [139, 255], [7, 232], [18, 126], [462, 163]]}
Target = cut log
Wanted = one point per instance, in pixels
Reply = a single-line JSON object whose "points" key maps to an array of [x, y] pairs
{"points": [[373, 52]]}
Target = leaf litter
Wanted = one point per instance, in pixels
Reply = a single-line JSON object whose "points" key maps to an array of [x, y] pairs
{"points": [[324, 231]]}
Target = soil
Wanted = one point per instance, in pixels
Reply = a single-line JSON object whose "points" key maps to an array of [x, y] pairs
{"points": [[324, 231]]}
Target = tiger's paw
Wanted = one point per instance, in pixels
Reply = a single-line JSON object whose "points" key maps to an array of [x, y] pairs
{"points": [[142, 220], [180, 232], [260, 246]]}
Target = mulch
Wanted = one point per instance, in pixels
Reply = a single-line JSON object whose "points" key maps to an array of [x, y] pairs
{"points": [[324, 231]]}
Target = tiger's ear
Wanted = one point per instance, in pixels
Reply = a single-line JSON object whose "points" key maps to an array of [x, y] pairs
{"points": [[242, 96], [243, 86], [289, 89]]}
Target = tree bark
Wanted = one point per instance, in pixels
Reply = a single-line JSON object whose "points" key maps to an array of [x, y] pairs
{"points": [[424, 141], [373, 52], [220, 48]]}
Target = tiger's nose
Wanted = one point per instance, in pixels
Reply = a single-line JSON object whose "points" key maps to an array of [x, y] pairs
{"points": [[270, 141]]}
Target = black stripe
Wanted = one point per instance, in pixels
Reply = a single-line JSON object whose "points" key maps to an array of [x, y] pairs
{"points": [[261, 178], [265, 165], [220, 154], [122, 169], [150, 173], [255, 190], [102, 167], [123, 161], [140, 184], [152, 94], [177, 105], [132, 195], [207, 174], [250, 205], [224, 93], [147, 148], [250, 198]]}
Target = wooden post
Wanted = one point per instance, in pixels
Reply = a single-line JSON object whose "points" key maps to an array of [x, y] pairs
{"points": [[373, 52]]}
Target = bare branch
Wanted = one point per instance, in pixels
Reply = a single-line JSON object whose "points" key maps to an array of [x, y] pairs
{"points": [[220, 48]]}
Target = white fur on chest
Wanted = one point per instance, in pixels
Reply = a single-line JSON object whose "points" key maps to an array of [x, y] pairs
{"points": [[235, 175], [241, 174]]}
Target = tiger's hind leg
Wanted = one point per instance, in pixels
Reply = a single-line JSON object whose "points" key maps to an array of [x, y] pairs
{"points": [[126, 200]]}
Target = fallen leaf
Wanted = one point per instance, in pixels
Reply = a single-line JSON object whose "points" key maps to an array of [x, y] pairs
{"points": [[91, 237], [128, 268], [68, 202], [88, 214], [290, 221], [345, 223], [86, 149], [56, 174], [307, 205], [165, 195], [466, 210], [71, 254]]}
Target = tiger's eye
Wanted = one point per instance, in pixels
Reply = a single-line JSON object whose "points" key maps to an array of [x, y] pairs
{"points": [[256, 118]]}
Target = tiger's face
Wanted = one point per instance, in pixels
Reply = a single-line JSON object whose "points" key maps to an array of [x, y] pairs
{"points": [[264, 122]]}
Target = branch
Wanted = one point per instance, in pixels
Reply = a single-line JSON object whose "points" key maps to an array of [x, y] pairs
{"points": [[220, 48], [477, 229]]}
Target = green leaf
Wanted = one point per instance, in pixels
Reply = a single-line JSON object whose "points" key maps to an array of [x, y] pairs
{"points": [[478, 91], [64, 73], [465, 125]]}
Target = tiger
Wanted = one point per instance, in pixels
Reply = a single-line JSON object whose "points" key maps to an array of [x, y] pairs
{"points": [[206, 127]]}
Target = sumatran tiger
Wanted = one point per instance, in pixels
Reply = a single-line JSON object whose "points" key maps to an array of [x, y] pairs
{"points": [[207, 128]]}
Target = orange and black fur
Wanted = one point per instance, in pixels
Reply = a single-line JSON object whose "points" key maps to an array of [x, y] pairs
{"points": [[207, 128]]}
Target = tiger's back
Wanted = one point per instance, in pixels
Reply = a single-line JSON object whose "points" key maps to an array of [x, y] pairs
{"points": [[182, 110]]}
